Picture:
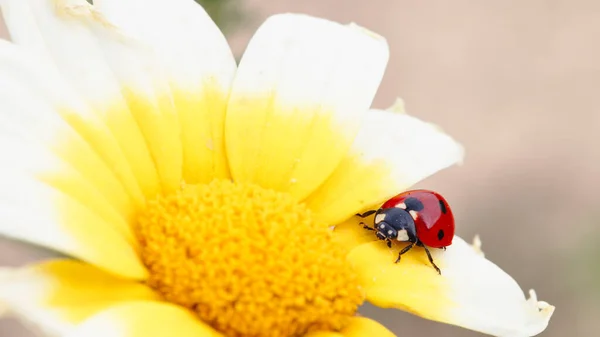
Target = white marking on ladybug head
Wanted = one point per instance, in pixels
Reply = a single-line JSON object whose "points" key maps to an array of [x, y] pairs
{"points": [[379, 218], [414, 214], [402, 235], [382, 226], [390, 232], [401, 205]]}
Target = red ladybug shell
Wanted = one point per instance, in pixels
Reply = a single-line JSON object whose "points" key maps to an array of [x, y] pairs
{"points": [[434, 224]]}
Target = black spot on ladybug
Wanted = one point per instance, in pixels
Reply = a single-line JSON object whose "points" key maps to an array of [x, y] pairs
{"points": [[440, 234], [443, 207], [413, 204]]}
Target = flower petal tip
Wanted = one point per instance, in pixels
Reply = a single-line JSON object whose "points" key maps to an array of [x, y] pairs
{"points": [[367, 32], [461, 162], [477, 245], [541, 312], [77, 9], [458, 147], [74, 9], [398, 106], [298, 18], [544, 308]]}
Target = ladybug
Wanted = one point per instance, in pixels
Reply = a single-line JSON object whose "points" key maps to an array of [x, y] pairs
{"points": [[421, 217]]}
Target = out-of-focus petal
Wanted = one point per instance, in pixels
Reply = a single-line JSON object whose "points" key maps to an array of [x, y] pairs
{"points": [[55, 296], [363, 327], [358, 327]]}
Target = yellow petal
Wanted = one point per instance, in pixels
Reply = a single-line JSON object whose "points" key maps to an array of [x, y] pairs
{"points": [[472, 292], [365, 327], [37, 213], [323, 334], [199, 67], [144, 319], [297, 100], [391, 152], [351, 232], [359, 327], [57, 295]]}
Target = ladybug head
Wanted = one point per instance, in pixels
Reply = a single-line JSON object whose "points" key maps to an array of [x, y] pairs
{"points": [[395, 224]]}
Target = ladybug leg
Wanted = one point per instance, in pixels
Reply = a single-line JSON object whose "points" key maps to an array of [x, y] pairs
{"points": [[366, 214], [404, 250], [366, 227], [431, 260], [388, 243]]}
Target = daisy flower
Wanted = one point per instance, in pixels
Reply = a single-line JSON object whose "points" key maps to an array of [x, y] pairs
{"points": [[197, 197]]}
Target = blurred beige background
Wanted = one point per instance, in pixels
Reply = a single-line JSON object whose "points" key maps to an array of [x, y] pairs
{"points": [[515, 82]]}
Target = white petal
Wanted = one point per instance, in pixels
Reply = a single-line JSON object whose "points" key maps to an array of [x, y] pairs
{"points": [[493, 301], [297, 100], [471, 292], [417, 149], [391, 152], [56, 296], [199, 67], [189, 44], [59, 31]]}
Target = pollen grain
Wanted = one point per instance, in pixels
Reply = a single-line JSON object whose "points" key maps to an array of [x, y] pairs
{"points": [[247, 260]]}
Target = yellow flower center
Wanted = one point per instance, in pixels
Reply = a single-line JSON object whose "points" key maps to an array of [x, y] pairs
{"points": [[247, 260]]}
